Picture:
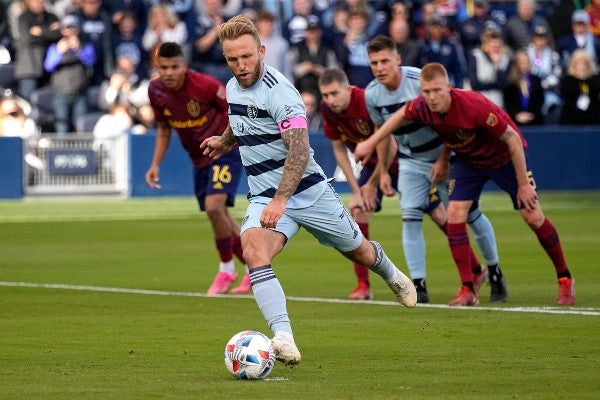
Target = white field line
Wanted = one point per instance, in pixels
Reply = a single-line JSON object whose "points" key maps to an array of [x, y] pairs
{"points": [[533, 310]]}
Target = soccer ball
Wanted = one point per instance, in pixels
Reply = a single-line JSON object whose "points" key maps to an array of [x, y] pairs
{"points": [[249, 355]]}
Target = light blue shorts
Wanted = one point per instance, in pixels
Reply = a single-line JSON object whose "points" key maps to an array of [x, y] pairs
{"points": [[417, 190], [328, 220]]}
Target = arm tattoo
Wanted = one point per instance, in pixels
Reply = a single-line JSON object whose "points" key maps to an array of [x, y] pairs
{"points": [[296, 141], [227, 138]]}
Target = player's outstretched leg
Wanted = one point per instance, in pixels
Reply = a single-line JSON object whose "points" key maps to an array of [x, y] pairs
{"points": [[401, 285]]}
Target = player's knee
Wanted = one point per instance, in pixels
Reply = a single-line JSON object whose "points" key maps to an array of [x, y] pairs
{"points": [[412, 214]]}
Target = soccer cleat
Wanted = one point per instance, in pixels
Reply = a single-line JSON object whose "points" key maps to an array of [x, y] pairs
{"points": [[221, 284], [566, 292], [403, 288], [422, 296], [464, 297], [362, 292], [479, 279], [498, 289], [285, 348], [244, 287]]}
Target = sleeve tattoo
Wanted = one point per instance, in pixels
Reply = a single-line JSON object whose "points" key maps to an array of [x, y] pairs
{"points": [[296, 141]]}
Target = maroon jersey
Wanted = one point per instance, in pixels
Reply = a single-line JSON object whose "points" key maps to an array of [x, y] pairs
{"points": [[471, 128], [352, 126], [197, 111]]}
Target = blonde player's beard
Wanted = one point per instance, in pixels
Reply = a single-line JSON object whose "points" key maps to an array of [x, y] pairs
{"points": [[254, 77]]}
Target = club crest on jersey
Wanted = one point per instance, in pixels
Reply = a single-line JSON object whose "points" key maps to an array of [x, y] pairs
{"points": [[492, 119], [363, 127], [193, 108], [252, 111]]}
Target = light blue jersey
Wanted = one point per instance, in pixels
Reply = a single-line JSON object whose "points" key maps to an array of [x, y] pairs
{"points": [[419, 146], [254, 114]]}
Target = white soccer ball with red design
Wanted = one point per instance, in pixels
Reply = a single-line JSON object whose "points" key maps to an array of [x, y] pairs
{"points": [[249, 355]]}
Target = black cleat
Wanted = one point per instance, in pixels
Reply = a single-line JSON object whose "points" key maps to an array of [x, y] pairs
{"points": [[498, 288], [422, 296]]}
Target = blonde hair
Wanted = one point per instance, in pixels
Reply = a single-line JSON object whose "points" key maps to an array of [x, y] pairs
{"points": [[581, 54], [172, 18], [432, 70], [236, 27]]}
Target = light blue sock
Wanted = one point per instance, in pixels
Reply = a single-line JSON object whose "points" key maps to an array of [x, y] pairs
{"points": [[383, 266], [270, 298], [413, 244], [484, 235]]}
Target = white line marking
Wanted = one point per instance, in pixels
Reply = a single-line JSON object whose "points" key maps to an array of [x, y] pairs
{"points": [[589, 311]]}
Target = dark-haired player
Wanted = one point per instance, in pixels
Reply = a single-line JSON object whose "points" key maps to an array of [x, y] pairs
{"points": [[346, 123], [194, 105], [488, 146]]}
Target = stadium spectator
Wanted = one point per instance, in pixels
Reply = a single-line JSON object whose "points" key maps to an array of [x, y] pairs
{"points": [[524, 94], [207, 54], [418, 147], [580, 88], [310, 57], [355, 58], [109, 127], [14, 121], [126, 34], [580, 38], [519, 27], [488, 146], [347, 122], [470, 31], [313, 117], [337, 31], [194, 105], [125, 86], [408, 48], [185, 11], [137, 10], [593, 10], [294, 28], [437, 47], [545, 63], [37, 29], [291, 191], [278, 47], [96, 24], [67, 61], [163, 26], [488, 66]]}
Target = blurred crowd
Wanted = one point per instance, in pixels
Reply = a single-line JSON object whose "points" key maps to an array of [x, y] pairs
{"points": [[84, 65]]}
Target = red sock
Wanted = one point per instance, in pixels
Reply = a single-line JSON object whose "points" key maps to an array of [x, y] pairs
{"points": [[362, 272], [548, 237], [474, 261], [461, 250], [237, 249], [225, 248]]}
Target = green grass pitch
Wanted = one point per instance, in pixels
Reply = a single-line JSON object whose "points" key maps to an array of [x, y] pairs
{"points": [[102, 299]]}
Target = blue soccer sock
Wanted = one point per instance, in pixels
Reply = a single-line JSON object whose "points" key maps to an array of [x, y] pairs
{"points": [[270, 298], [484, 235], [413, 244]]}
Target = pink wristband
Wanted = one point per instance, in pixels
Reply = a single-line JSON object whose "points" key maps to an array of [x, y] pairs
{"points": [[291, 123]]}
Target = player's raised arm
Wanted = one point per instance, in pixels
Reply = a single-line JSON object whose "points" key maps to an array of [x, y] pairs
{"points": [[364, 149]]}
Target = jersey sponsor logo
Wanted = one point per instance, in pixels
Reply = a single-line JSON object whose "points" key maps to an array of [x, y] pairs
{"points": [[252, 111], [190, 123], [465, 138], [193, 108], [492, 120]]}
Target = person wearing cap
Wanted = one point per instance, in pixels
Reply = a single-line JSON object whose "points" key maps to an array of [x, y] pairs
{"points": [[580, 38], [545, 64], [437, 47], [472, 28], [519, 27], [293, 29], [68, 61], [310, 57]]}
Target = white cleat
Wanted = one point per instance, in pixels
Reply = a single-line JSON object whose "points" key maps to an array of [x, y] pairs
{"points": [[285, 348], [403, 288]]}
